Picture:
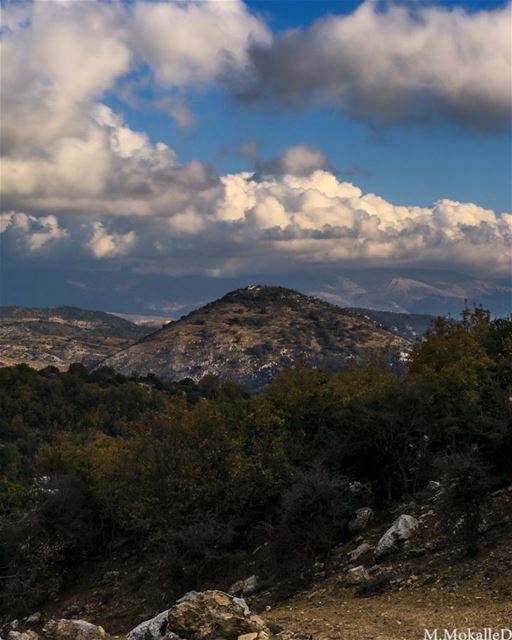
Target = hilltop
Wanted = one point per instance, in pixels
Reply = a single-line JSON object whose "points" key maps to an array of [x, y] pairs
{"points": [[252, 333]]}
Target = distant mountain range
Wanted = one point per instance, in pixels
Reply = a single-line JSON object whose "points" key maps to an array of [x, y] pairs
{"points": [[407, 290], [251, 334], [151, 322], [58, 336], [407, 325], [427, 292]]}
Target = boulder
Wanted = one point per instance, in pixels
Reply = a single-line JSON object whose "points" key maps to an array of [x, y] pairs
{"points": [[22, 635], [361, 520], [402, 529], [359, 551], [207, 614], [246, 587], [319, 570], [73, 630], [155, 629], [356, 576]]}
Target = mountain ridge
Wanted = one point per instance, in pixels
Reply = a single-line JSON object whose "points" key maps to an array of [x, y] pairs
{"points": [[58, 336], [436, 292], [250, 334], [63, 334]]}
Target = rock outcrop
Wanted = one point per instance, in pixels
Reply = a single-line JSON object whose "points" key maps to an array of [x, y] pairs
{"points": [[62, 629], [402, 529], [356, 576], [361, 520], [200, 615], [204, 615], [246, 587], [73, 630], [359, 551], [155, 629]]}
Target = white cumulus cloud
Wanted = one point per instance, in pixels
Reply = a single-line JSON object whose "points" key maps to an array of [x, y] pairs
{"points": [[63, 148], [34, 231], [108, 245], [193, 42], [254, 224]]}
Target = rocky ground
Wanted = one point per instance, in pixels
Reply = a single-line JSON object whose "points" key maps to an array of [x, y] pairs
{"points": [[331, 613], [208, 615], [400, 573], [428, 583]]}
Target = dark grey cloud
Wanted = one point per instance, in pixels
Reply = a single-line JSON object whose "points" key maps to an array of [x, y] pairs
{"points": [[298, 160], [397, 65]]}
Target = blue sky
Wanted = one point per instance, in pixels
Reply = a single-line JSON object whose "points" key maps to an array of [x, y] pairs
{"points": [[415, 164], [158, 144], [286, 14]]}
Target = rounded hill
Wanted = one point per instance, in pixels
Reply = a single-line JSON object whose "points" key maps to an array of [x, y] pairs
{"points": [[251, 334]]}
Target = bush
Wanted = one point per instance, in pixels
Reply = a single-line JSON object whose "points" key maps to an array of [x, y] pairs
{"points": [[42, 547], [467, 481], [315, 514], [13, 497]]}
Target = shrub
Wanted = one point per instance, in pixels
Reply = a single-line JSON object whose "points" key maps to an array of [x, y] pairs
{"points": [[315, 513], [467, 481]]}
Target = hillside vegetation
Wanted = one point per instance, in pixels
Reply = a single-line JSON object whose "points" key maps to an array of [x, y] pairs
{"points": [[207, 478]]}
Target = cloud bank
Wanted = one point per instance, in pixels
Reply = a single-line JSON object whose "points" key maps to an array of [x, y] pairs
{"points": [[283, 222]]}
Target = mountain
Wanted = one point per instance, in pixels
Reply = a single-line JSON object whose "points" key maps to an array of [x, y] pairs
{"points": [[251, 334], [408, 325], [421, 292], [58, 336]]}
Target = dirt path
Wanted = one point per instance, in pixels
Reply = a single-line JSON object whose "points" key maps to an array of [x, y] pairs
{"points": [[337, 615]]}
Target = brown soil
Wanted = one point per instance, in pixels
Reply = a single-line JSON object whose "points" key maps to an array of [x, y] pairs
{"points": [[336, 614]]}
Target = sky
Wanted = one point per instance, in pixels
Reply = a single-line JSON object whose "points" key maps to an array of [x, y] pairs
{"points": [[157, 154]]}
